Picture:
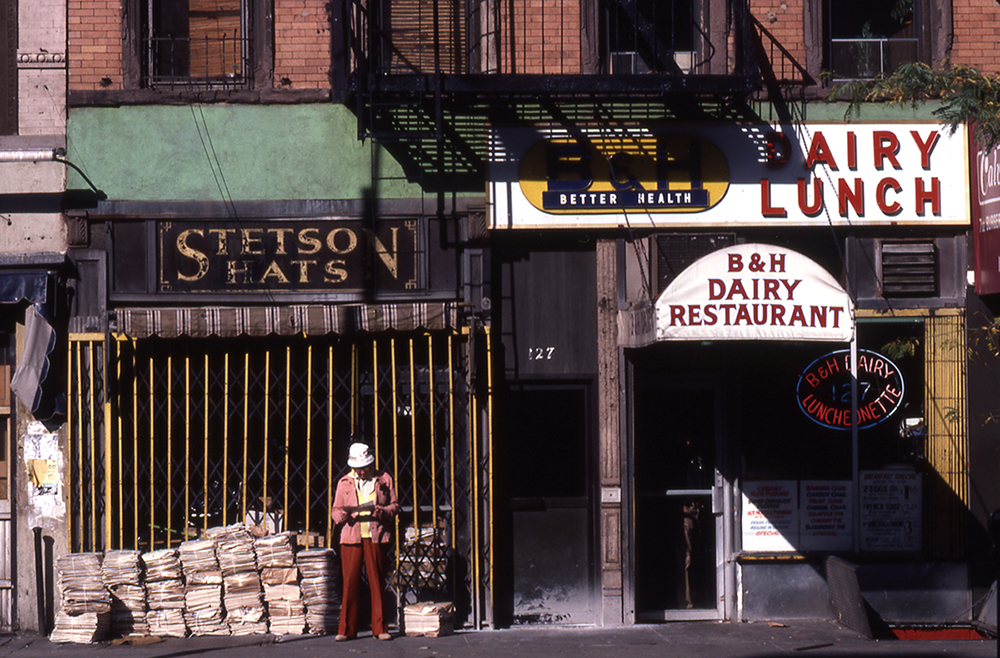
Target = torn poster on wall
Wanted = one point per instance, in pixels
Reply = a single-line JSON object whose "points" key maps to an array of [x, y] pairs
{"points": [[44, 462]]}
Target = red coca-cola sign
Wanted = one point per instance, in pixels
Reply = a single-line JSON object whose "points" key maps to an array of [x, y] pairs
{"points": [[824, 390]]}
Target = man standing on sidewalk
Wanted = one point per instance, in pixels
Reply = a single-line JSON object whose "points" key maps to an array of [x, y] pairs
{"points": [[365, 504]]}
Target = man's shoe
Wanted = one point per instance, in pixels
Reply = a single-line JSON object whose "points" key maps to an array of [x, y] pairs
{"points": [[384, 636], [340, 638]]}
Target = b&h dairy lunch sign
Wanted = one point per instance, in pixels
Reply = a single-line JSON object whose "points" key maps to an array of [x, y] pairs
{"points": [[650, 177]]}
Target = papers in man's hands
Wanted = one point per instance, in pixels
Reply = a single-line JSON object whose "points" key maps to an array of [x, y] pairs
{"points": [[359, 509]]}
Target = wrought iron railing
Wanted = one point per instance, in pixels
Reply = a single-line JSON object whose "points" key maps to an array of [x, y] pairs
{"points": [[207, 62], [542, 37], [866, 59]]}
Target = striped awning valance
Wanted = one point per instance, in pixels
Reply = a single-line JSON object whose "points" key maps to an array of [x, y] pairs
{"points": [[311, 320]]}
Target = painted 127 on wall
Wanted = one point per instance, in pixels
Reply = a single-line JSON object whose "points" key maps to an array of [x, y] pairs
{"points": [[540, 353]]}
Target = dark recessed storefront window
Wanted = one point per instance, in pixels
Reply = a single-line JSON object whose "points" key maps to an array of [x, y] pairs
{"points": [[793, 431]]}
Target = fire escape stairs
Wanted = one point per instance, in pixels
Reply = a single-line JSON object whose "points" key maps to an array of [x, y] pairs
{"points": [[772, 55], [399, 109]]}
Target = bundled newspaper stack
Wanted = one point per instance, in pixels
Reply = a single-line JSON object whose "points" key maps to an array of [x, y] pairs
{"points": [[122, 572], [320, 589], [203, 612], [84, 603], [286, 612], [429, 619], [164, 593], [242, 594]]}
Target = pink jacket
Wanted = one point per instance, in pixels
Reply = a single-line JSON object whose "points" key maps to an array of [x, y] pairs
{"points": [[386, 508]]}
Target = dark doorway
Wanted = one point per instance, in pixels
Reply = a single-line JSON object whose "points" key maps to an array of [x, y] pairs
{"points": [[676, 441], [551, 508]]}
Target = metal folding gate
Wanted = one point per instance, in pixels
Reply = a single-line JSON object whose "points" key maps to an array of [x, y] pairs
{"points": [[169, 437]]}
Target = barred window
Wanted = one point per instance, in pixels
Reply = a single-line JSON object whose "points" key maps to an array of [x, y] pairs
{"points": [[202, 44]]}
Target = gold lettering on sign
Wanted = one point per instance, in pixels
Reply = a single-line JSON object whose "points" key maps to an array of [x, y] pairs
{"points": [[188, 251], [352, 241], [253, 242], [234, 270], [390, 259], [310, 244], [281, 233], [222, 237], [335, 272], [303, 269], [295, 258], [274, 271]]}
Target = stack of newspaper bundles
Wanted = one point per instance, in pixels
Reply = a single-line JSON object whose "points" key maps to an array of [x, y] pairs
{"points": [[429, 619], [164, 593], [122, 572], [84, 603], [241, 589], [320, 589], [286, 612], [203, 610]]}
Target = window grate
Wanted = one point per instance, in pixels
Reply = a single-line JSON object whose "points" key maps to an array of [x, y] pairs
{"points": [[196, 44], [195, 433], [909, 269], [675, 252]]}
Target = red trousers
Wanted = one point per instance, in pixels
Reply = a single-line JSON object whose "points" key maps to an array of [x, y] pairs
{"points": [[351, 558]]}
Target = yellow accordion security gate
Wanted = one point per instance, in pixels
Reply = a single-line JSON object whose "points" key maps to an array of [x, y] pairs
{"points": [[171, 436]]}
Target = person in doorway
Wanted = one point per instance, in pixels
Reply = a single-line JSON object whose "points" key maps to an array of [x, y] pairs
{"points": [[691, 512], [364, 505]]}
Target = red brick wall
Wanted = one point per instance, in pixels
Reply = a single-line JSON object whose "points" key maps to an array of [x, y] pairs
{"points": [[785, 21], [94, 51], [301, 44], [546, 37], [977, 35]]}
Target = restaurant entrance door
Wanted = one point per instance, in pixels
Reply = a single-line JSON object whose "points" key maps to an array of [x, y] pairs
{"points": [[678, 522]]}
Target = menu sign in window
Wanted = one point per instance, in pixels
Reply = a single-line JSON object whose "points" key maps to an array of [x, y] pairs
{"points": [[770, 515], [826, 515], [891, 510]]}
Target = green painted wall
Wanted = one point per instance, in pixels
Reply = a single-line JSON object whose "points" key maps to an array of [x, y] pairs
{"points": [[225, 152], [269, 152]]}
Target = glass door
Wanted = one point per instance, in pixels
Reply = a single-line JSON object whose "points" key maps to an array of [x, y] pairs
{"points": [[679, 562]]}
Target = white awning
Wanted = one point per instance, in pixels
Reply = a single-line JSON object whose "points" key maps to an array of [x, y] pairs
{"points": [[755, 292], [311, 320]]}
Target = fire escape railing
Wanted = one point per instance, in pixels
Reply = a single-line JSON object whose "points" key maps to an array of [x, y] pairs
{"points": [[402, 61], [461, 39]]}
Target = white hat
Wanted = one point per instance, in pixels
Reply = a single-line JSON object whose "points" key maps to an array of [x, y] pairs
{"points": [[360, 456]]}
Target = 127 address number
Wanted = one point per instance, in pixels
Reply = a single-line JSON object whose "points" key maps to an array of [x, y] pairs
{"points": [[540, 353]]}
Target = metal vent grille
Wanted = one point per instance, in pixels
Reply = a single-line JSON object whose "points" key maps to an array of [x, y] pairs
{"points": [[675, 252], [909, 269]]}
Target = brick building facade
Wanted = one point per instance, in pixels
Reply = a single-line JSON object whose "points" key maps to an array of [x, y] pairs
{"points": [[369, 160]]}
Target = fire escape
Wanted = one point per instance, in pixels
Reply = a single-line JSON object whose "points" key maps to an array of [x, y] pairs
{"points": [[425, 77]]}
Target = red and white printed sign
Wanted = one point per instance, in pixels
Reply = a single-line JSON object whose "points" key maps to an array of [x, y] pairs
{"points": [[755, 292]]}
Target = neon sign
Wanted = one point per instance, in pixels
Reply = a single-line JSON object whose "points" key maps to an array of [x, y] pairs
{"points": [[824, 389]]}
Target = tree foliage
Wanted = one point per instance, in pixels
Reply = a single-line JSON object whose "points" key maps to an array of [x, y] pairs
{"points": [[967, 96]]}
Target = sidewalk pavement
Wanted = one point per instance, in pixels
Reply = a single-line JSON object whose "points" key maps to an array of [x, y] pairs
{"points": [[808, 638]]}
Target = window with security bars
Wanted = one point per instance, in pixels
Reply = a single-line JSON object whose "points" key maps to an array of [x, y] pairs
{"points": [[675, 251], [196, 43], [211, 432], [909, 269]]}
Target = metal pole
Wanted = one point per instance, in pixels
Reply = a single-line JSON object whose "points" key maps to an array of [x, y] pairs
{"points": [[855, 475]]}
